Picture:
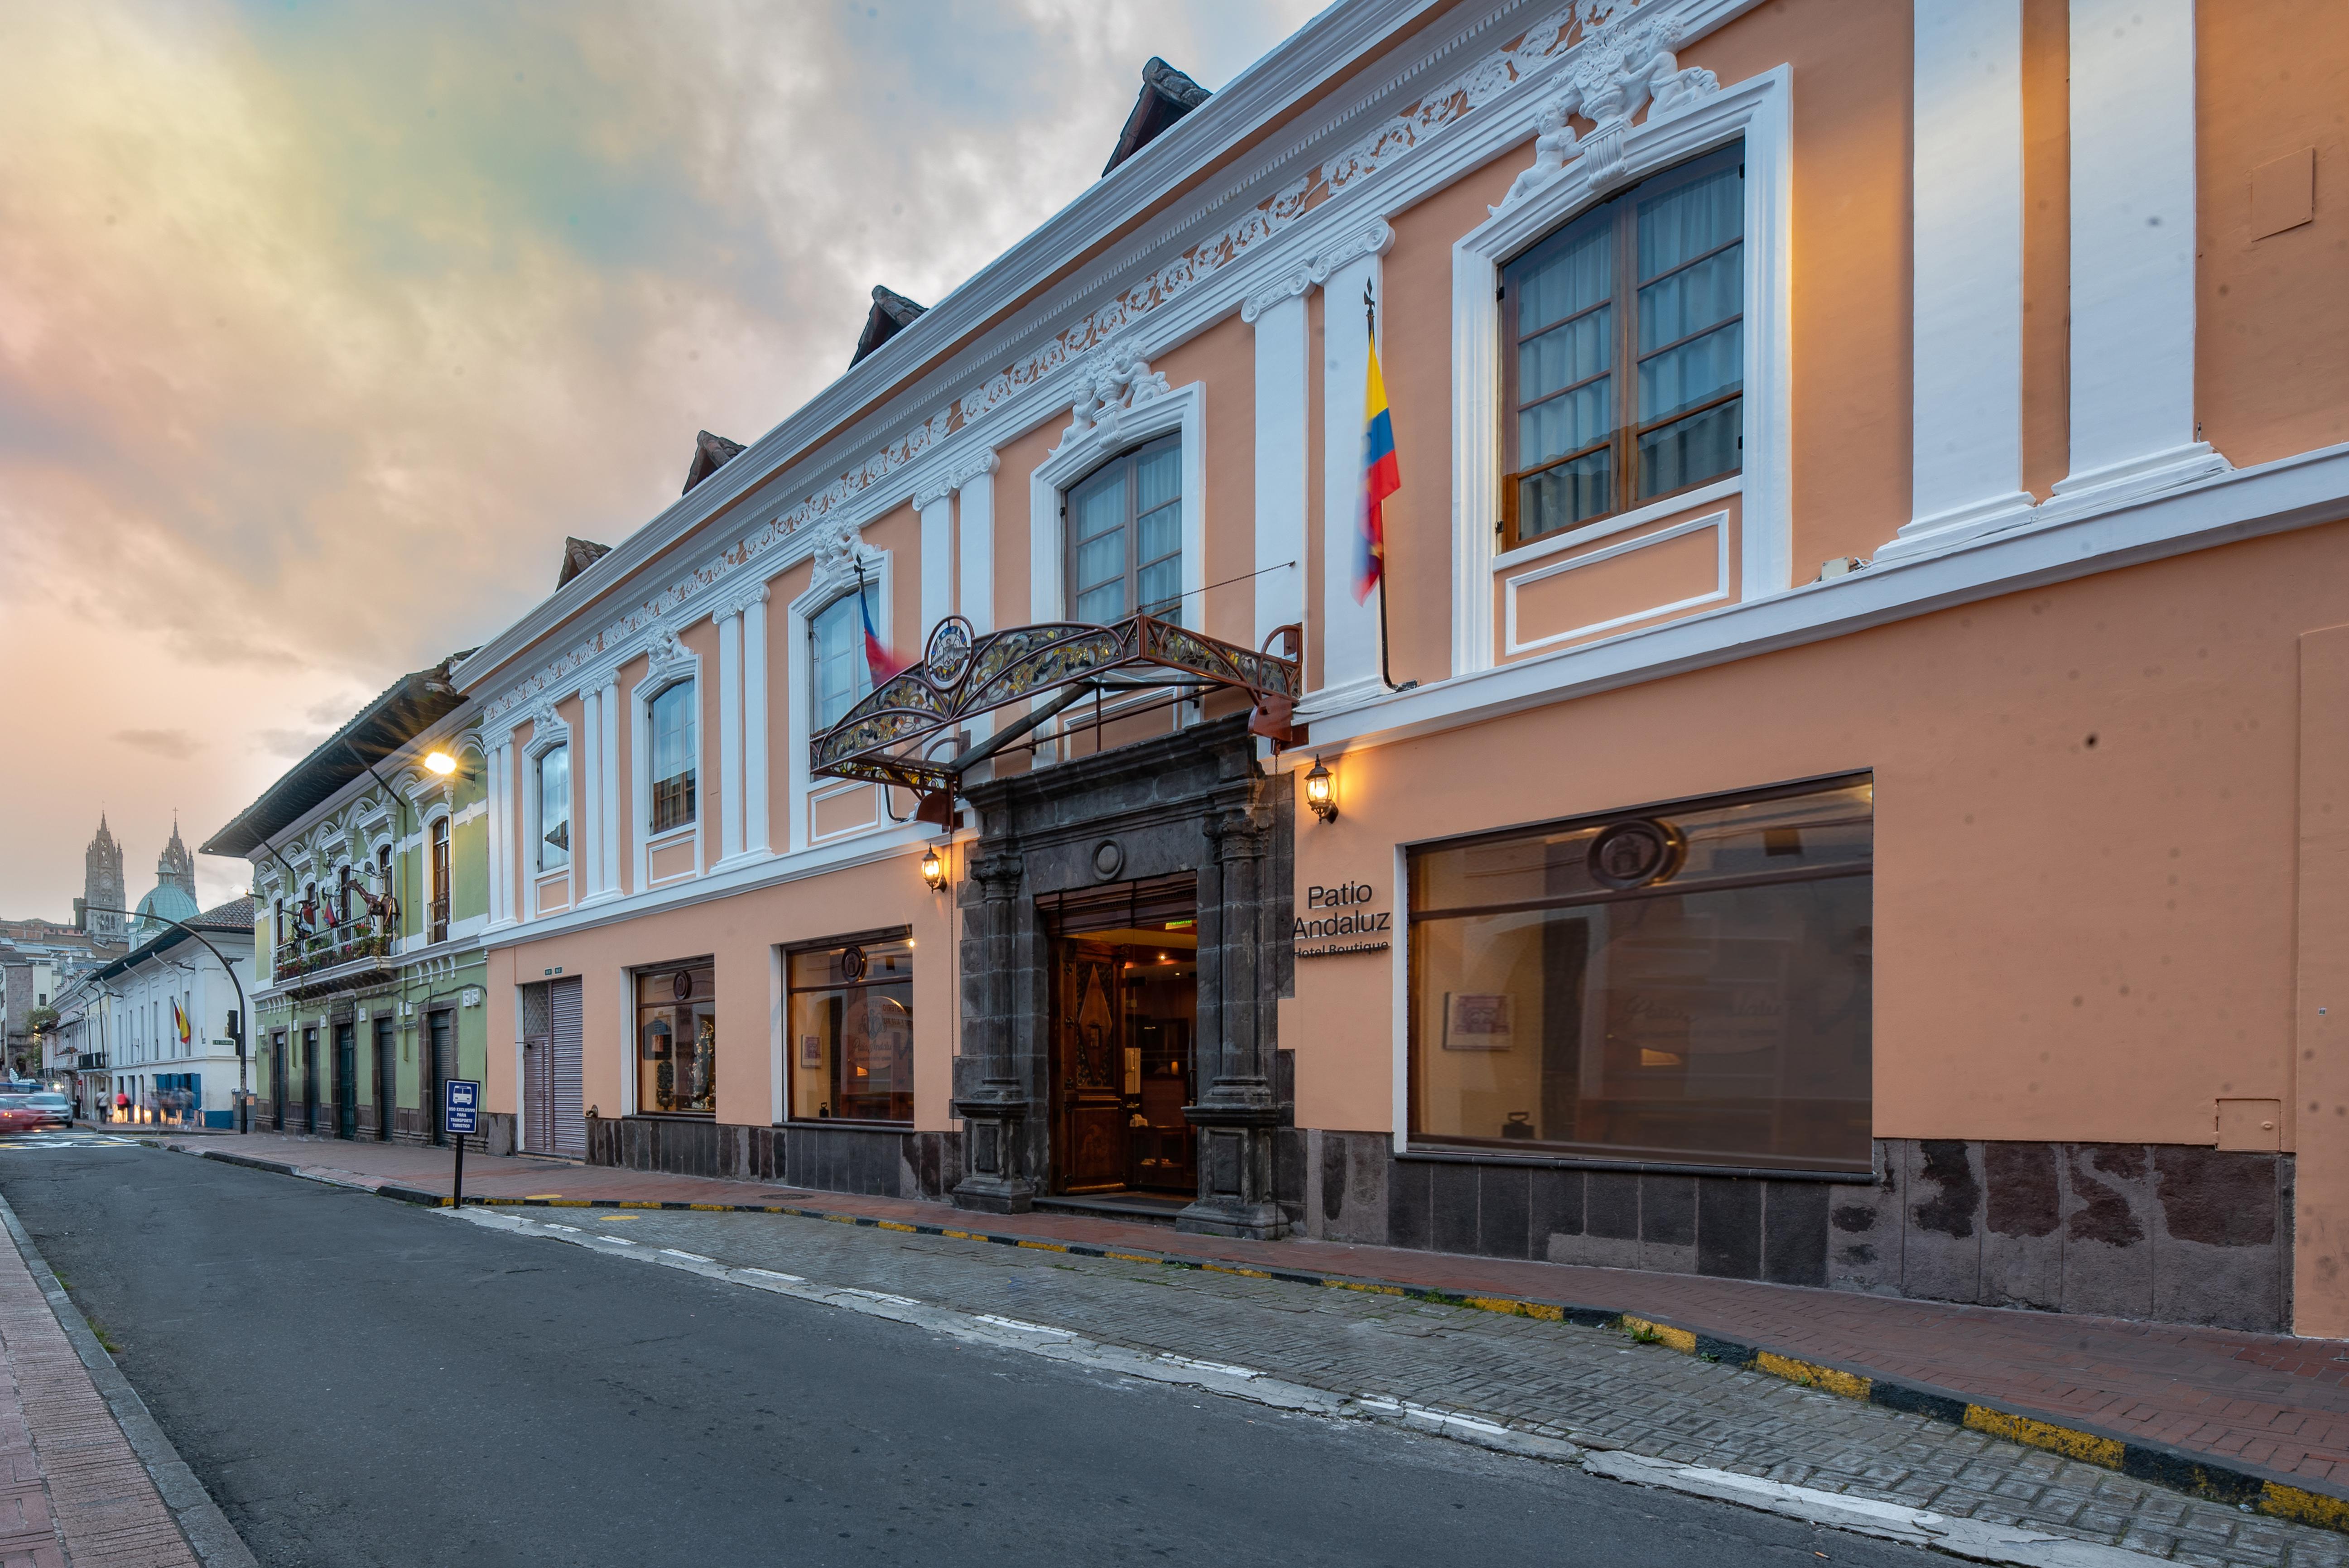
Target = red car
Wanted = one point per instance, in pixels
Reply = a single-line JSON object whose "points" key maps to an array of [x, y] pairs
{"points": [[17, 1114]]}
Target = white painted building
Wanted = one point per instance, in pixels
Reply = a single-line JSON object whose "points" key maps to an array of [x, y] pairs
{"points": [[157, 1022]]}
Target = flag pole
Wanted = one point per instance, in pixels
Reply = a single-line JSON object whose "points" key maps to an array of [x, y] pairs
{"points": [[1371, 326]]}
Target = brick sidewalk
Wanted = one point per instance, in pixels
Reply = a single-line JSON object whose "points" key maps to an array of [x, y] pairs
{"points": [[72, 1489], [2270, 1407]]}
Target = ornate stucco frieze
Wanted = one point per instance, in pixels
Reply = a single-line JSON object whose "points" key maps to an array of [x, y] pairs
{"points": [[1453, 92]]}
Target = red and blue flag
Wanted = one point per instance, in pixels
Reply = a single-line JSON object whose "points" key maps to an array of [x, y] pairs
{"points": [[878, 659]]}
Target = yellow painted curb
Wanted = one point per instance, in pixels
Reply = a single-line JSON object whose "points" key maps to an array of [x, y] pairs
{"points": [[1679, 1339], [891, 1225], [1811, 1374], [2304, 1507], [2086, 1446]]}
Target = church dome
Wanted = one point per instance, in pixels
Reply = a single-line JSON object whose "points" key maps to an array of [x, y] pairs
{"points": [[168, 900]]}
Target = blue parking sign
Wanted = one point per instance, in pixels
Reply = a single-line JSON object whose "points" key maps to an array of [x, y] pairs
{"points": [[459, 1104]]}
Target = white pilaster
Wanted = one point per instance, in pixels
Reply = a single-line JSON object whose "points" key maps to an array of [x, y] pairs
{"points": [[501, 829], [730, 733], [977, 501], [606, 760], [1350, 632], [937, 557], [754, 723], [1282, 356], [2133, 251], [586, 871], [974, 552], [1966, 208]]}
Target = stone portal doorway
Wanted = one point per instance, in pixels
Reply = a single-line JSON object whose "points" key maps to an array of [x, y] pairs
{"points": [[1124, 1015], [1070, 858]]}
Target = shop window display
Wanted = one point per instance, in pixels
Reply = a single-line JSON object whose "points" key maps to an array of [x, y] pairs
{"points": [[851, 1032], [1685, 984], [677, 1039]]}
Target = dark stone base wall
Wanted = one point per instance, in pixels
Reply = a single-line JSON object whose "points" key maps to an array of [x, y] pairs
{"points": [[2157, 1232], [870, 1162]]}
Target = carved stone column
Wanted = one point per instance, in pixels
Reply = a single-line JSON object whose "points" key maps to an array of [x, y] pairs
{"points": [[1236, 1111], [996, 1178]]}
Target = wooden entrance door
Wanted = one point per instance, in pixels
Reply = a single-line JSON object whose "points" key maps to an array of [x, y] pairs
{"points": [[310, 1078], [277, 1082], [1087, 1059], [387, 1079], [440, 1065], [347, 1080]]}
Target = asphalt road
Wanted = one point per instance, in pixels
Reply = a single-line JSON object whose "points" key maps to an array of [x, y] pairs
{"points": [[357, 1381]]}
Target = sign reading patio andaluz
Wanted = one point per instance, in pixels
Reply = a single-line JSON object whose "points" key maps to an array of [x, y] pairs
{"points": [[1336, 913], [460, 1105]]}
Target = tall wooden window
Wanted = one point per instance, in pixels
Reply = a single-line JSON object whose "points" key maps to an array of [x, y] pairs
{"points": [[672, 769], [439, 880], [554, 808], [1625, 351], [838, 672], [1124, 536]]}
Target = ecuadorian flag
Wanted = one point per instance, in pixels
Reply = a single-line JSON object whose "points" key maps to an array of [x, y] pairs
{"points": [[877, 658], [180, 1022], [1381, 477]]}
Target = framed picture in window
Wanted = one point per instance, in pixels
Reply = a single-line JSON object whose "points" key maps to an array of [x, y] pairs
{"points": [[1479, 1020], [812, 1050]]}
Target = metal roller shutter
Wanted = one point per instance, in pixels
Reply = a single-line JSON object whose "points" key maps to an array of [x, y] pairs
{"points": [[564, 1033]]}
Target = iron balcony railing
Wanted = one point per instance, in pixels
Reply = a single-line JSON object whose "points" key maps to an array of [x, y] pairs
{"points": [[330, 947]]}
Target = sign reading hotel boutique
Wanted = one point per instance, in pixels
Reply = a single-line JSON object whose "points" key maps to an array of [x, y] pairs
{"points": [[1334, 914]]}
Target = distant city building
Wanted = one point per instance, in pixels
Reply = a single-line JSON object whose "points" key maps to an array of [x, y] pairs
{"points": [[154, 1022]]}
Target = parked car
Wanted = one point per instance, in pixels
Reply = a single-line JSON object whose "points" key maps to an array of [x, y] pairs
{"points": [[54, 1108], [17, 1114]]}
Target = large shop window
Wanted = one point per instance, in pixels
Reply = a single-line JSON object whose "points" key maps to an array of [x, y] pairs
{"points": [[672, 770], [1125, 536], [554, 808], [838, 675], [1653, 281], [676, 1038], [1681, 985], [851, 1035]]}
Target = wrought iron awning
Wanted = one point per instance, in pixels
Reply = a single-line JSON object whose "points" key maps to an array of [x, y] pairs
{"points": [[887, 736]]}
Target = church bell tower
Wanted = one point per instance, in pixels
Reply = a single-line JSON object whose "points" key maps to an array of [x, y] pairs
{"points": [[102, 885]]}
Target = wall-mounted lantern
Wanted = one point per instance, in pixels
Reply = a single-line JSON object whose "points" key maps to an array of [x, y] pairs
{"points": [[1321, 791], [934, 868]]}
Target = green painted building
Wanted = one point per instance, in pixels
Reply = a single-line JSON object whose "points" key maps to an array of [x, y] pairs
{"points": [[370, 889]]}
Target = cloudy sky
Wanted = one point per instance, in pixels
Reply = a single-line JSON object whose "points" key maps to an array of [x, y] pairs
{"points": [[321, 325]]}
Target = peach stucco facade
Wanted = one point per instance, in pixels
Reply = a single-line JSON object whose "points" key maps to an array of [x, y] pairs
{"points": [[2033, 538]]}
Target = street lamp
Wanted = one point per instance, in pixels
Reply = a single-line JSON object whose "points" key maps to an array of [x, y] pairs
{"points": [[934, 869]]}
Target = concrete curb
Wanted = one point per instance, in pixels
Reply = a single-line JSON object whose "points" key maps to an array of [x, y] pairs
{"points": [[2156, 1464], [207, 1530]]}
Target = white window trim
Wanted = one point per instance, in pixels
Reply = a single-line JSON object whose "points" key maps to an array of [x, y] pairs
{"points": [[1183, 410], [547, 732], [869, 565], [681, 666], [1756, 109]]}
